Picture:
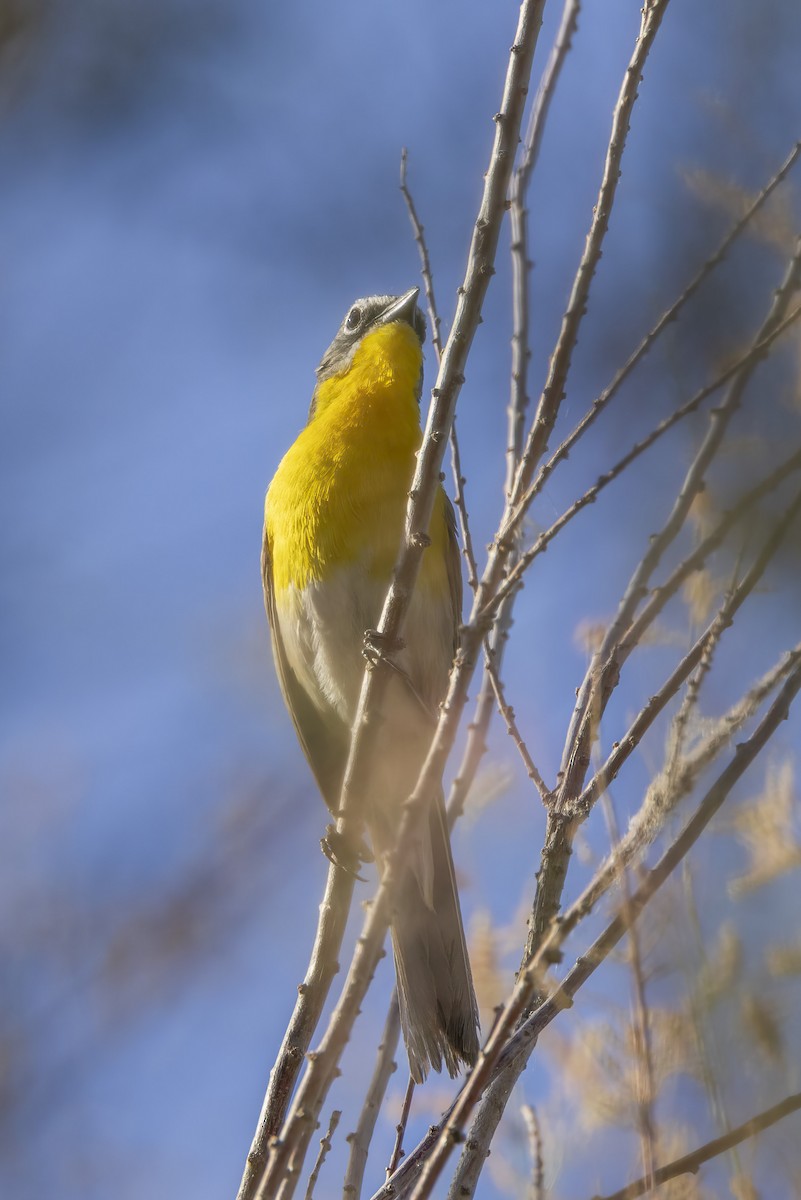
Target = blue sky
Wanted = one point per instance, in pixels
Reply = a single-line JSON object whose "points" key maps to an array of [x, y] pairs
{"points": [[192, 195]]}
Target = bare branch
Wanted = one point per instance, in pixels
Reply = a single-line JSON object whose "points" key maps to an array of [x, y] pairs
{"points": [[400, 1129], [425, 260], [362, 1136], [433, 316], [690, 1164], [521, 354], [325, 1146], [537, 1190], [312, 993], [508, 715]]}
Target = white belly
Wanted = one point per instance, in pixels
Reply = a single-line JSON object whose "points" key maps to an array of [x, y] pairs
{"points": [[323, 629]]}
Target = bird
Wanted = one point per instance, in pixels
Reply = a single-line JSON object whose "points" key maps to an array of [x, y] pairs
{"points": [[333, 521]]}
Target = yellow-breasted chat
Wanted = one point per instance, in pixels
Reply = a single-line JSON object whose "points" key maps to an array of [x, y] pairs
{"points": [[334, 516]]}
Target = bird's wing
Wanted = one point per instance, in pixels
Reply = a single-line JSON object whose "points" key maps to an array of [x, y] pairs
{"points": [[324, 741]]}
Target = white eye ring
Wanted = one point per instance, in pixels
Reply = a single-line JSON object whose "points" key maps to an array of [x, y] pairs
{"points": [[353, 318]]}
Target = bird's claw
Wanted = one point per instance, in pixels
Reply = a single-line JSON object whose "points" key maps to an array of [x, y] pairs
{"points": [[341, 852], [377, 646]]}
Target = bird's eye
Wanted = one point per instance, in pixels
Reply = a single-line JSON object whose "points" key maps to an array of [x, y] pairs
{"points": [[353, 318]]}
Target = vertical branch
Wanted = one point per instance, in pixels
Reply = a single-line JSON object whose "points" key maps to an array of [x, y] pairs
{"points": [[362, 1136], [312, 993], [537, 1191], [433, 316], [325, 1146], [400, 1129], [518, 215]]}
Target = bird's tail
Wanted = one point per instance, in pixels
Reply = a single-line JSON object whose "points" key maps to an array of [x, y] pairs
{"points": [[438, 1010]]}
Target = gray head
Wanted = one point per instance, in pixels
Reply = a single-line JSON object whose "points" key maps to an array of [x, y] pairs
{"points": [[364, 315]]}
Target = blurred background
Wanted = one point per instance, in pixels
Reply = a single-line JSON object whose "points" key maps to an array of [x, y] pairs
{"points": [[192, 195]]}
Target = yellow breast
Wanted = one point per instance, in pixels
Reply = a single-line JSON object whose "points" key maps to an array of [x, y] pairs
{"points": [[340, 493]]}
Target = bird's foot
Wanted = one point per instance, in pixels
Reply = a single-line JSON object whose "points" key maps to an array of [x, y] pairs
{"points": [[342, 852], [377, 647]]}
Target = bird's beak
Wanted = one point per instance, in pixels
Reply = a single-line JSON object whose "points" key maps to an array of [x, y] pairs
{"points": [[402, 309]]}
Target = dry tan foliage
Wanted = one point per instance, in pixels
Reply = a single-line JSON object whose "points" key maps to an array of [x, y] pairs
{"points": [[492, 781], [774, 225], [783, 959], [762, 1025], [659, 634], [591, 1073], [766, 828], [505, 1164], [491, 982], [673, 1044], [701, 594], [675, 1142], [430, 1101], [704, 513], [600, 1068], [588, 635], [742, 1187], [490, 946], [506, 1177], [721, 967]]}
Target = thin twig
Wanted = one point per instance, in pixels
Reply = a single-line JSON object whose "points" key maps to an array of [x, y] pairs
{"points": [[518, 215], [537, 1189], [400, 1129], [382, 1072], [459, 497], [689, 704], [476, 746], [312, 993], [425, 259], [690, 1164], [325, 1146], [512, 728], [521, 353]]}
